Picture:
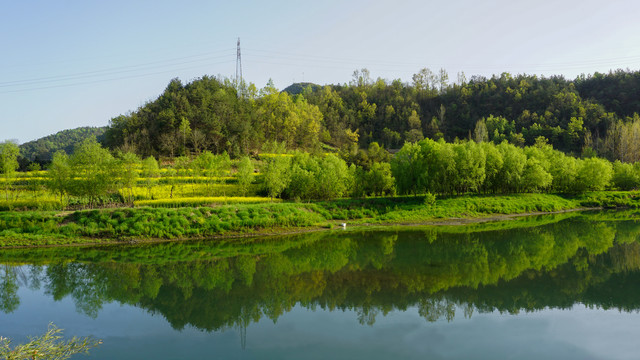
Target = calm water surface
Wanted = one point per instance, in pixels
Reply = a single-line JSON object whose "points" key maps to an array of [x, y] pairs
{"points": [[562, 286]]}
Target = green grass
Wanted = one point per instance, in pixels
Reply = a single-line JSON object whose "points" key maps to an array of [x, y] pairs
{"points": [[183, 222], [202, 201], [45, 228]]}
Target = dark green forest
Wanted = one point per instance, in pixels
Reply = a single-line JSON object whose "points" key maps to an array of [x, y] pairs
{"points": [[591, 115]]}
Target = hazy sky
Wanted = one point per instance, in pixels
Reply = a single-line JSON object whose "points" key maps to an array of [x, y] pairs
{"points": [[65, 64]]}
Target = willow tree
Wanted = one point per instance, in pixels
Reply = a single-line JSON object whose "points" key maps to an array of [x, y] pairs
{"points": [[408, 168], [276, 175], [244, 174]]}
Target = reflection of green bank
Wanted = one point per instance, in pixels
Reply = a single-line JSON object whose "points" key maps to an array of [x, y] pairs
{"points": [[550, 261]]}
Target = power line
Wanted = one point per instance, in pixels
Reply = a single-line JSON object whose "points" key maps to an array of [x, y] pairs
{"points": [[568, 65], [117, 70], [111, 79], [279, 59]]}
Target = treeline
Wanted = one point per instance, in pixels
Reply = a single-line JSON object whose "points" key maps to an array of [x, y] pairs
{"points": [[439, 167], [448, 168], [92, 175], [589, 115]]}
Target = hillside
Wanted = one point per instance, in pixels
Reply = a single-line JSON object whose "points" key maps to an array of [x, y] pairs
{"points": [[42, 150], [586, 116], [298, 88]]}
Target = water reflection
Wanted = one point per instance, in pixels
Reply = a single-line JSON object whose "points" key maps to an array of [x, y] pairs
{"points": [[526, 265]]}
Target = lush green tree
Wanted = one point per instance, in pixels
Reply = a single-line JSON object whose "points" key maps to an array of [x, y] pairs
{"points": [[534, 176], [33, 183], [481, 133], [625, 176], [593, 174], [94, 170], [377, 153], [59, 175], [244, 174], [622, 141], [8, 164], [409, 169], [276, 175], [493, 167], [440, 166], [379, 180], [289, 120], [214, 167], [563, 170], [514, 161], [414, 133], [128, 164], [333, 178], [204, 164], [470, 161], [198, 139], [425, 80], [182, 164], [303, 172], [185, 133], [150, 173], [357, 175]]}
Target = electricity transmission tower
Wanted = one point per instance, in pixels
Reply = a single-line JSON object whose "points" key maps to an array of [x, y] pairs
{"points": [[238, 69]]}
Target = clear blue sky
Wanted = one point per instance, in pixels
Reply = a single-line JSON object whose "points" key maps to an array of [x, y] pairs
{"points": [[65, 64]]}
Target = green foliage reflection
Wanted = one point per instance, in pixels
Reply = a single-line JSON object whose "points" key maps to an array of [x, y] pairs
{"points": [[553, 261]]}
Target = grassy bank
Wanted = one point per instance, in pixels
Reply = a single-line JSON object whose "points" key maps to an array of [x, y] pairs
{"points": [[35, 228]]}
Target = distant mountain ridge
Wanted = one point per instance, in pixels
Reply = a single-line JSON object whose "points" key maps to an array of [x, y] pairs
{"points": [[42, 150], [298, 88]]}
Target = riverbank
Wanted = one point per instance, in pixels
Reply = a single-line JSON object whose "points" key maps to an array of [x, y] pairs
{"points": [[126, 225]]}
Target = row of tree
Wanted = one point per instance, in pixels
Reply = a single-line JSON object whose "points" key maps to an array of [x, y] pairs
{"points": [[304, 176], [448, 168], [93, 173], [428, 166]]}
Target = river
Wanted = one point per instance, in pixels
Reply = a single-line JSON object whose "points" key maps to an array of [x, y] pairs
{"points": [[563, 286]]}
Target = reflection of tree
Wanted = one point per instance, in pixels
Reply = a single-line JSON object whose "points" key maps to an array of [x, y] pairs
{"points": [[372, 273], [367, 314], [9, 300], [433, 309], [85, 283]]}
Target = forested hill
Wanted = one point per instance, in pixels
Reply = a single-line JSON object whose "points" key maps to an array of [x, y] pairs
{"points": [[299, 88], [42, 150], [593, 114]]}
